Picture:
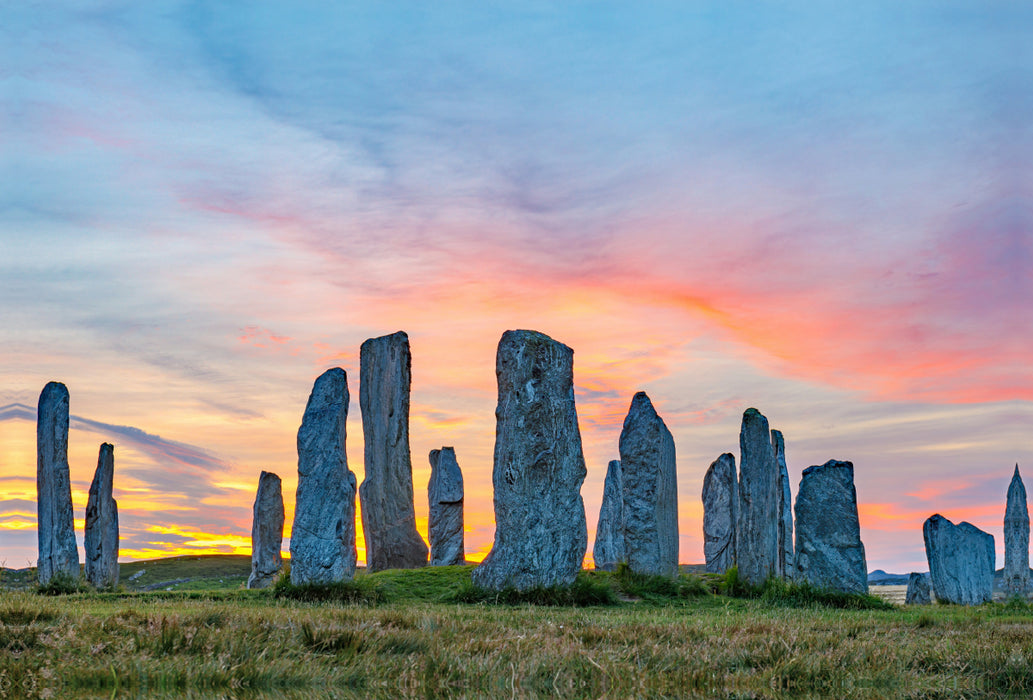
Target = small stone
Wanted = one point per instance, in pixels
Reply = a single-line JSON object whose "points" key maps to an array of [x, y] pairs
{"points": [[445, 493], [918, 589], [608, 550], [266, 532], [101, 525], [756, 534], [720, 507], [58, 553], [1016, 538], [785, 507], [961, 561]]}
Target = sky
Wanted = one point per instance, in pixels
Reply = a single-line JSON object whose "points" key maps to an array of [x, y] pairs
{"points": [[821, 210]]}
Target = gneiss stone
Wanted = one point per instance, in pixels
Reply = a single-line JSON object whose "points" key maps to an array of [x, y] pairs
{"points": [[829, 551], [756, 534], [917, 590], [58, 553], [1016, 538], [445, 493], [266, 532], [323, 534], [101, 540], [608, 550], [785, 507], [540, 530], [386, 493], [961, 561], [720, 506]]}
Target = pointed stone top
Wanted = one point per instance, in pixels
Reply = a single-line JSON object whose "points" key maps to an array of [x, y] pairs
{"points": [[641, 400], [1016, 475]]}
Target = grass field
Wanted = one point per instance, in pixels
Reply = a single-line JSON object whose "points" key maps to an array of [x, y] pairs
{"points": [[406, 635]]}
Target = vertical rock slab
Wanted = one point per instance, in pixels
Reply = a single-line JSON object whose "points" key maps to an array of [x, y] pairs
{"points": [[101, 539], [540, 530], [756, 534], [608, 550], [829, 551], [1016, 538], [386, 493], [266, 532], [323, 533], [445, 493], [720, 510], [650, 480], [918, 590], [55, 523], [785, 507], [961, 561]]}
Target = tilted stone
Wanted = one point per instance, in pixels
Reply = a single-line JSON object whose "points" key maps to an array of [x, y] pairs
{"points": [[101, 540], [1016, 538], [785, 507], [961, 561], [445, 493], [540, 530], [386, 493], [720, 508], [918, 590], [266, 532], [608, 550], [756, 533], [55, 528]]}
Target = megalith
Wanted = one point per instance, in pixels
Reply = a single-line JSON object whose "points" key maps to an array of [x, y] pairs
{"points": [[323, 533], [266, 532], [720, 509], [445, 493], [540, 530], [1016, 538], [386, 493], [961, 561], [756, 535], [608, 550], [917, 590], [785, 507], [829, 552], [101, 537], [55, 527]]}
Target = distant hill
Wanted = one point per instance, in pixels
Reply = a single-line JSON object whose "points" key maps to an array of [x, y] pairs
{"points": [[881, 578]]}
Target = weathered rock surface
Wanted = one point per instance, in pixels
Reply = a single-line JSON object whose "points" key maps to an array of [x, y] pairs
{"points": [[756, 534], [785, 507], [58, 553], [918, 592], [266, 532], [540, 530], [386, 493], [961, 561], [101, 539], [608, 550], [445, 493], [720, 509], [829, 551], [1016, 538], [323, 534]]}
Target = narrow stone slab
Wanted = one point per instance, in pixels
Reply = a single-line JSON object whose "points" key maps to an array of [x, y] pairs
{"points": [[918, 592], [1016, 538], [720, 509], [445, 493], [785, 507], [101, 526], [961, 561], [55, 527], [266, 532], [756, 535], [608, 550]]}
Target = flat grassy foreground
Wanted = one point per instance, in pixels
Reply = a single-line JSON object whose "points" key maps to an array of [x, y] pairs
{"points": [[428, 633]]}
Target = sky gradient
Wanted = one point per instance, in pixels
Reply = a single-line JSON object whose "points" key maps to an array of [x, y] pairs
{"points": [[819, 210]]}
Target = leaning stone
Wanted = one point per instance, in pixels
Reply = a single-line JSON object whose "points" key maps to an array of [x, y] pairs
{"points": [[540, 530], [1016, 538], [445, 524], [918, 590], [720, 506], [323, 534], [386, 493], [961, 561], [608, 550], [55, 528], [756, 534], [829, 551], [101, 540], [785, 507], [266, 532]]}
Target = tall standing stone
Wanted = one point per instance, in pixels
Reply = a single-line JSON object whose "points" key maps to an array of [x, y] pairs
{"points": [[445, 493], [323, 534], [1016, 538], [101, 539], [608, 550], [55, 525], [386, 493], [785, 507], [829, 551], [540, 530], [650, 480], [720, 509], [917, 589], [961, 561], [756, 535], [266, 532]]}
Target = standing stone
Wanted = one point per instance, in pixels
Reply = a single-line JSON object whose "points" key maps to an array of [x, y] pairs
{"points": [[785, 507], [1016, 538], [101, 540], [55, 526], [445, 492], [918, 590], [540, 530], [608, 550], [386, 494], [961, 561], [756, 535], [650, 480], [829, 551], [266, 532], [323, 534], [720, 508]]}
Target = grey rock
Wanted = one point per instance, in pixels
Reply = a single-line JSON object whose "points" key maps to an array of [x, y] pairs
{"points": [[608, 550], [101, 540], [829, 551], [540, 530], [266, 532], [961, 561], [720, 509], [1016, 538], [785, 507], [918, 592], [323, 534], [445, 493], [756, 533], [55, 528], [386, 493]]}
